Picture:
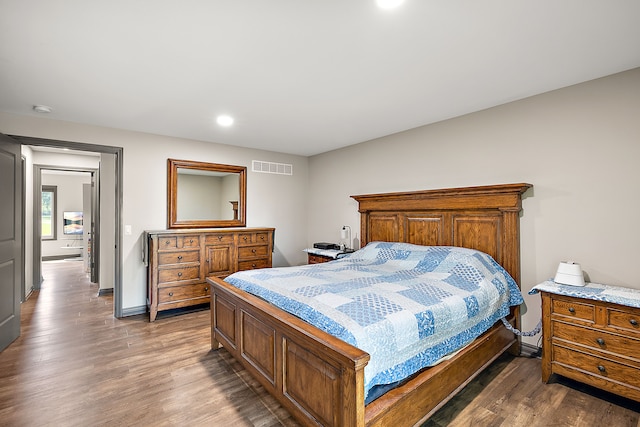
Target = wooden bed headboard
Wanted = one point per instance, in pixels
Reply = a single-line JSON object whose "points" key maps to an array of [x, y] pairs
{"points": [[484, 218]]}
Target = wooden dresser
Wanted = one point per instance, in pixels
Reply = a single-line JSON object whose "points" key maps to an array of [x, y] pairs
{"points": [[179, 261], [595, 342]]}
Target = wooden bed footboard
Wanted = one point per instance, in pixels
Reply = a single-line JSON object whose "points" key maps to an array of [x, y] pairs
{"points": [[317, 377]]}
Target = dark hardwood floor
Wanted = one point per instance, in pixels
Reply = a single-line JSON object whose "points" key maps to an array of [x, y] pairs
{"points": [[76, 365]]}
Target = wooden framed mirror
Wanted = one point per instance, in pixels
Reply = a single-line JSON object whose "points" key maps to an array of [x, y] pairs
{"points": [[204, 195]]}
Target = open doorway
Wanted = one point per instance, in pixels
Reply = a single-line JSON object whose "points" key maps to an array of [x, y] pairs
{"points": [[67, 215], [108, 207]]}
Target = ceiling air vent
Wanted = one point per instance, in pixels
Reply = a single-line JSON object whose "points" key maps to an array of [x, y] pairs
{"points": [[271, 167]]}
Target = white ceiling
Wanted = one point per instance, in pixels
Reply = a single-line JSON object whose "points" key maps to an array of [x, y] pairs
{"points": [[300, 76]]}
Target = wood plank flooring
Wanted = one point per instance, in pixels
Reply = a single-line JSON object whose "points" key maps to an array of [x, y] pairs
{"points": [[76, 365]]}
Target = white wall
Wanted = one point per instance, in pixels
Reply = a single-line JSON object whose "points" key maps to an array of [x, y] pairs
{"points": [[272, 200], [579, 147]]}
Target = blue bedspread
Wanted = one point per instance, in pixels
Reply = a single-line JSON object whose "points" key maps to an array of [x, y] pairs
{"points": [[406, 305]]}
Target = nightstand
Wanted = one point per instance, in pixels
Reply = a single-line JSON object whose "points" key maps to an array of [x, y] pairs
{"points": [[317, 256], [592, 334]]}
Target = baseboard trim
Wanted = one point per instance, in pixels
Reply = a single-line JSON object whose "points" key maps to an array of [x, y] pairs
{"points": [[60, 257], [529, 350], [103, 292], [134, 311]]}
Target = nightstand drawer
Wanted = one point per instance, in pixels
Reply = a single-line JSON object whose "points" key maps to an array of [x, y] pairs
{"points": [[573, 309], [317, 259], [597, 366], [598, 340], [629, 320], [167, 258]]}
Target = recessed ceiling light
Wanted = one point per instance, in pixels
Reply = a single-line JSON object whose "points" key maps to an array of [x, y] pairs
{"points": [[42, 109], [224, 120], [389, 4]]}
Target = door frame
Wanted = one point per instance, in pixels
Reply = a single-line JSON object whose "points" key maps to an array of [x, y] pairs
{"points": [[118, 152]]}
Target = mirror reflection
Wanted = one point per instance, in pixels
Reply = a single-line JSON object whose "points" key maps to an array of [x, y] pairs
{"points": [[222, 188], [205, 194]]}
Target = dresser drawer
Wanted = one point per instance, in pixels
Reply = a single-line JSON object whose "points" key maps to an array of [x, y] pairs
{"points": [[214, 238], [597, 366], [251, 265], [247, 252], [167, 258], [628, 321], [178, 242], [252, 238], [598, 340], [573, 309], [183, 292], [168, 275]]}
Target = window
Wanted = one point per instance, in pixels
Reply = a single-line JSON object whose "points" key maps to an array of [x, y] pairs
{"points": [[48, 212]]}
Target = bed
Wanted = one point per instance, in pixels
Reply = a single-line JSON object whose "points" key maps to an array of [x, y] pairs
{"points": [[319, 378]]}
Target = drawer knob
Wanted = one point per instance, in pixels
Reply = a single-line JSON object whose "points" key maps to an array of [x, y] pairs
{"points": [[206, 289], [179, 256], [167, 242], [219, 237], [600, 341], [253, 265], [191, 241], [245, 238], [601, 368], [253, 251], [634, 322], [572, 310], [180, 274], [170, 294]]}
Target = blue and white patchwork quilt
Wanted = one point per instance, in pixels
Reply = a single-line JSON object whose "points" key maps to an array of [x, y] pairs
{"points": [[406, 305]]}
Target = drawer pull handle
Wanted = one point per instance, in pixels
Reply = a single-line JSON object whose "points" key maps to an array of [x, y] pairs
{"points": [[179, 257], [572, 310], [191, 241], [206, 289], [219, 237], [245, 238], [167, 242], [253, 251], [601, 368], [170, 294], [600, 341], [634, 322], [180, 274], [253, 265]]}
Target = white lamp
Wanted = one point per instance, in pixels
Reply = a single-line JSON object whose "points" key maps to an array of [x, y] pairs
{"points": [[344, 236], [569, 273]]}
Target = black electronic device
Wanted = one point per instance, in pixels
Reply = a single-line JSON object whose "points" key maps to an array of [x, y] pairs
{"points": [[324, 245]]}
